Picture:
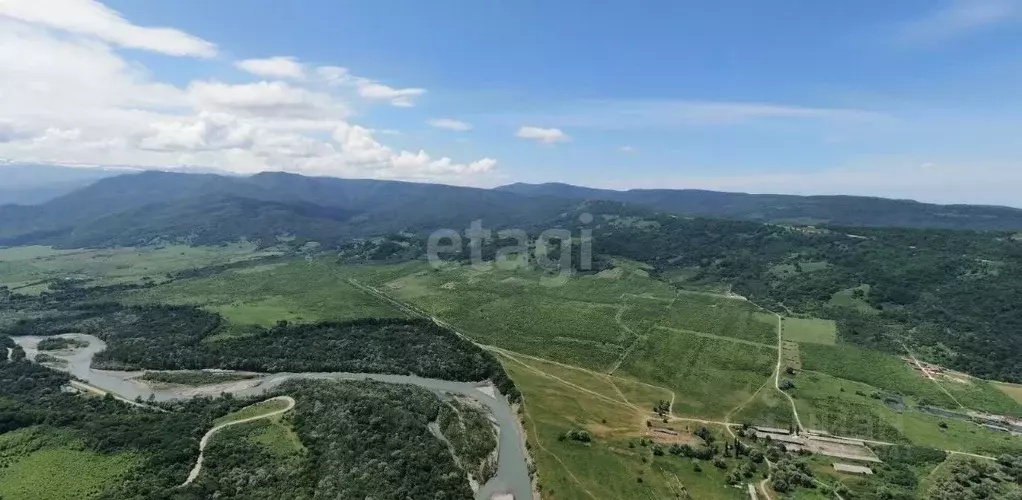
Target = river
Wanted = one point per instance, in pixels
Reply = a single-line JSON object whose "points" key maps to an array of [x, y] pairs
{"points": [[512, 476]]}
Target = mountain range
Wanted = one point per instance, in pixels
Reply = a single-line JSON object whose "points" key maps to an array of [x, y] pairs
{"points": [[152, 206], [859, 211]]}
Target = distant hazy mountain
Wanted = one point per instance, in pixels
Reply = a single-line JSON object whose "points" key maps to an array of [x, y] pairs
{"points": [[152, 206], [830, 210], [30, 184], [149, 206]]}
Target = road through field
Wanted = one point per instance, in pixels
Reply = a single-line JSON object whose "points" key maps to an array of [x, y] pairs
{"points": [[194, 474], [777, 371], [518, 358]]}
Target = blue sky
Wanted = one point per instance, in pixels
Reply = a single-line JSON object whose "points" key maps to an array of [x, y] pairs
{"points": [[904, 99]]}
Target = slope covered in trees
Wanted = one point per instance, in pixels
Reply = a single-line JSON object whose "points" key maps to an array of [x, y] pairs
{"points": [[157, 206], [777, 208], [207, 209]]}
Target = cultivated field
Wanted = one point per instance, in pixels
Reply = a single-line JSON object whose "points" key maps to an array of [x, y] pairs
{"points": [[811, 330]]}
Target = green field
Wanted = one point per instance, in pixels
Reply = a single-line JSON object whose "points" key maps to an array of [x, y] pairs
{"points": [[26, 266], [851, 299], [980, 395], [767, 407], [710, 377], [811, 330], [844, 408], [36, 463], [262, 408], [300, 291], [879, 370], [1013, 391], [612, 464], [854, 409]]}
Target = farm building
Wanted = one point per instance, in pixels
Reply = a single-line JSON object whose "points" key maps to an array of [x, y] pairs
{"points": [[853, 469]]}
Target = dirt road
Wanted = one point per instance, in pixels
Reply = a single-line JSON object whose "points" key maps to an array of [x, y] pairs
{"points": [[209, 435]]}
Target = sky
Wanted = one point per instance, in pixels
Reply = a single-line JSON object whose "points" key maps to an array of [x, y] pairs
{"points": [[907, 99]]}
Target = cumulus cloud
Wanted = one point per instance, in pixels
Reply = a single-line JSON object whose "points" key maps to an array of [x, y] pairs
{"points": [[266, 99], [449, 124], [91, 18], [274, 67], [78, 99], [544, 135]]}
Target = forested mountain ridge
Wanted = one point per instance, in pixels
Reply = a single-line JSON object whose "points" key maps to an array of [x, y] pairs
{"points": [[137, 209], [142, 208], [776, 208]]}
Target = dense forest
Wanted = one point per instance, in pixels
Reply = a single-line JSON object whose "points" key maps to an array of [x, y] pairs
{"points": [[975, 479], [364, 440], [31, 395], [463, 424], [160, 337], [361, 440]]}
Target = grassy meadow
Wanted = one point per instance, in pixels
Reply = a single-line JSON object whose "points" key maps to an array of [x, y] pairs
{"points": [[297, 291], [25, 268], [256, 410], [38, 463], [810, 330]]}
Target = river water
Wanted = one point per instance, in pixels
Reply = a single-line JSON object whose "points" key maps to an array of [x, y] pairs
{"points": [[512, 476]]}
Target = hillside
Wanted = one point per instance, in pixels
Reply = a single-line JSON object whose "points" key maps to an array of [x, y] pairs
{"points": [[826, 210], [31, 184], [201, 208]]}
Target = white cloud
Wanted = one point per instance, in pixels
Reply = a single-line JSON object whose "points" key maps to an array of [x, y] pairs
{"points": [[276, 99], [77, 99], [626, 149], [91, 18], [334, 75], [449, 124], [359, 146], [654, 114], [274, 67], [544, 135], [369, 89], [959, 17], [402, 98]]}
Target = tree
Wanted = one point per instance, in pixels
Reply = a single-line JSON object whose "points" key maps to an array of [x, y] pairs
{"points": [[756, 456]]}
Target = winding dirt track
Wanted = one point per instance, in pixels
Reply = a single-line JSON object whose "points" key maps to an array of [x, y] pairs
{"points": [[209, 435]]}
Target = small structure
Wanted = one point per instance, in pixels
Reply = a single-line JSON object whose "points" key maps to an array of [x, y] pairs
{"points": [[772, 430], [853, 469], [665, 430]]}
